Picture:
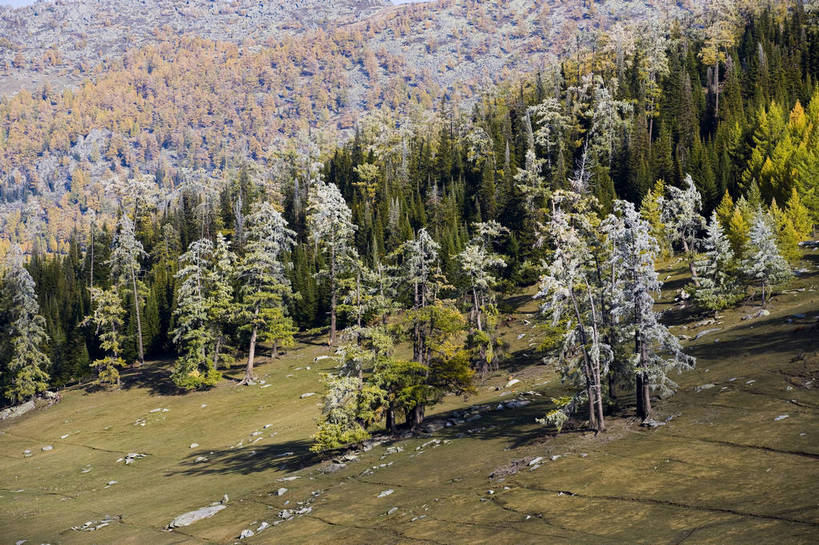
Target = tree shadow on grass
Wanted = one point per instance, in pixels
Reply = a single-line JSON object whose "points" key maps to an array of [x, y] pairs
{"points": [[286, 456], [154, 376]]}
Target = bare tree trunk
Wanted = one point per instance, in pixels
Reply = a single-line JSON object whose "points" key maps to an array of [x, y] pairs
{"points": [[333, 297], [141, 352], [249, 375], [643, 384], [391, 420]]}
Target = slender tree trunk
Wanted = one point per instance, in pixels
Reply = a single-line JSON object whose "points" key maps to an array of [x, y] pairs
{"points": [[251, 354], [216, 352], [141, 352], [274, 352], [390, 420], [333, 297], [763, 295], [643, 384], [587, 366], [415, 417]]}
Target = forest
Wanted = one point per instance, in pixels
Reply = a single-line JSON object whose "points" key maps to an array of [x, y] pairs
{"points": [[401, 244]]}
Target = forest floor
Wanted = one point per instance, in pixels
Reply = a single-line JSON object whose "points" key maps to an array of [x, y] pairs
{"points": [[735, 460]]}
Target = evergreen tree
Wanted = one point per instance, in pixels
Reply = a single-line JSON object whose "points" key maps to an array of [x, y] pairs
{"points": [[193, 333], [656, 351], [108, 319], [125, 265], [329, 221], [681, 215], [265, 287], [764, 265], [23, 334], [716, 270]]}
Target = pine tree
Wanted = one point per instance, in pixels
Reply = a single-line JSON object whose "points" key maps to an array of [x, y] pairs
{"points": [[220, 304], [265, 287], [125, 265], [716, 270], [108, 319], [331, 228], [24, 334], [764, 265], [651, 210], [656, 350]]}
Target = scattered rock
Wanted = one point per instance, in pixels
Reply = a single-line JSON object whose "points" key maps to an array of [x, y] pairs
{"points": [[781, 417], [262, 526], [554, 457], [280, 492], [246, 533], [762, 312], [704, 387], [47, 448], [200, 460], [17, 410], [517, 403], [385, 493], [287, 479], [512, 382], [131, 456], [392, 510], [706, 332], [194, 445], [112, 483], [651, 423], [193, 516], [308, 394], [536, 460]]}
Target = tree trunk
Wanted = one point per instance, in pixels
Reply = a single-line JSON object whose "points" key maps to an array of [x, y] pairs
{"points": [[415, 417], [141, 352], [643, 384], [391, 420], [216, 352], [274, 351], [251, 353], [763, 295], [333, 297]]}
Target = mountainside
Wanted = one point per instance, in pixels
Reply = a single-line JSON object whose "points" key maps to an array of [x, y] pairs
{"points": [[97, 91]]}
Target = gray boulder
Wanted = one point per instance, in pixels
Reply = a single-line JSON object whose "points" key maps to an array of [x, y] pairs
{"points": [[194, 516]]}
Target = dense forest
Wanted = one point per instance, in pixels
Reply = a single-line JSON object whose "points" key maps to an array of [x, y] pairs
{"points": [[576, 179]]}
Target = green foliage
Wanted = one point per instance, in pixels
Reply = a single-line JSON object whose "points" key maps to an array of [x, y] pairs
{"points": [[107, 318]]}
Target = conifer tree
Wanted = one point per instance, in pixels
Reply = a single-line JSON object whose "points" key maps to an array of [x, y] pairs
{"points": [[681, 214], [763, 264], [329, 221], [108, 319], [23, 334], [193, 333], [651, 210], [265, 287], [221, 307], [125, 265], [656, 350], [716, 270]]}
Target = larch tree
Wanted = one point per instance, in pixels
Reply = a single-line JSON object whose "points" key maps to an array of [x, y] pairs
{"points": [[656, 350], [331, 228], [125, 266], [265, 286], [716, 270], [24, 334], [681, 215], [107, 317], [763, 264]]}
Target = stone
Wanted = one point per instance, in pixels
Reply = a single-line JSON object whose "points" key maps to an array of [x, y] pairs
{"points": [[200, 460], [308, 394], [554, 457], [706, 332], [536, 460], [17, 410], [111, 483], [281, 491], [781, 417], [651, 423], [246, 533], [762, 312], [262, 526], [47, 448], [385, 493], [518, 403], [392, 510], [190, 517], [512, 382], [704, 387], [194, 445]]}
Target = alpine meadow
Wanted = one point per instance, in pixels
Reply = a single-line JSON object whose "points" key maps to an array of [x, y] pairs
{"points": [[409, 272]]}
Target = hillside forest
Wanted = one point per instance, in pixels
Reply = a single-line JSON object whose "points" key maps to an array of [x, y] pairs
{"points": [[401, 244]]}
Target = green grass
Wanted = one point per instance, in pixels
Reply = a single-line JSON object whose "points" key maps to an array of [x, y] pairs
{"points": [[722, 470]]}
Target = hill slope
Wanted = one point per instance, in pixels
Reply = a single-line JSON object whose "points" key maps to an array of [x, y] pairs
{"points": [[735, 460]]}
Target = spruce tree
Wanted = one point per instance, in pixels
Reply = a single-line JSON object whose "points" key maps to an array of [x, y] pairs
{"points": [[265, 287], [763, 264], [716, 270], [107, 316], [329, 221], [681, 214], [125, 266], [24, 334]]}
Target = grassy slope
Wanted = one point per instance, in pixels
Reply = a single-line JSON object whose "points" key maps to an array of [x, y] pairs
{"points": [[722, 470]]}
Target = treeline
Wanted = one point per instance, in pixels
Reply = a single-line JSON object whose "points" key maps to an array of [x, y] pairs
{"points": [[408, 231]]}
